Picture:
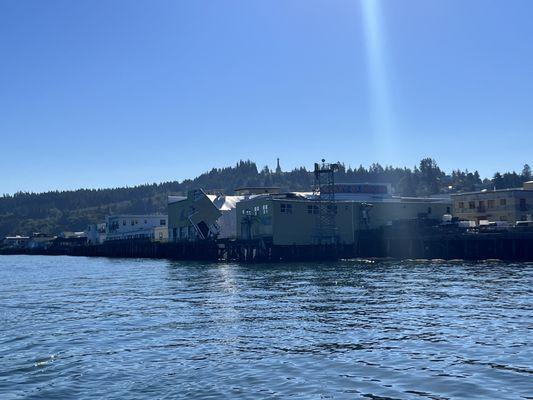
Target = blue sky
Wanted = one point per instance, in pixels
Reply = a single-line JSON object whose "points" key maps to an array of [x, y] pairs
{"points": [[114, 93]]}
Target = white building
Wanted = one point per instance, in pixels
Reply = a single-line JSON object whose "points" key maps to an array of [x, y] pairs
{"points": [[154, 227], [227, 222], [15, 242], [96, 233]]}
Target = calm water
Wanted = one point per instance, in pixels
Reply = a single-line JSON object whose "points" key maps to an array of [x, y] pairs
{"points": [[131, 329]]}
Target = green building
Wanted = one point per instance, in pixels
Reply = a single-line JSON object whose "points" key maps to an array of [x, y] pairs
{"points": [[200, 215], [192, 217], [292, 218]]}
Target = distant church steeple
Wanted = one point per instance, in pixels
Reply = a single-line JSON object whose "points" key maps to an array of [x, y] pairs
{"points": [[278, 168]]}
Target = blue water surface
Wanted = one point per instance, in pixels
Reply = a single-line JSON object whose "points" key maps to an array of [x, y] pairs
{"points": [[93, 328]]}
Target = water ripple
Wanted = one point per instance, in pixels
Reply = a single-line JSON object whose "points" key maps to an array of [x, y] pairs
{"points": [[128, 329]]}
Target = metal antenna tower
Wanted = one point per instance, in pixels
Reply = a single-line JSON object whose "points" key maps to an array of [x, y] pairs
{"points": [[325, 209]]}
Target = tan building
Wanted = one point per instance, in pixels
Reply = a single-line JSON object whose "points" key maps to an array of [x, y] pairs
{"points": [[291, 218], [160, 234], [510, 205]]}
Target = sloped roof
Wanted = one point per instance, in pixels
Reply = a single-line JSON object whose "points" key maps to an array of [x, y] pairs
{"points": [[225, 203]]}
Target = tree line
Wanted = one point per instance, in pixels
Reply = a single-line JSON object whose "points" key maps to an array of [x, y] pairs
{"points": [[57, 211]]}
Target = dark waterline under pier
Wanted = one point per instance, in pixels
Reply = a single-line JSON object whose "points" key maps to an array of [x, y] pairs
{"points": [[382, 243]]}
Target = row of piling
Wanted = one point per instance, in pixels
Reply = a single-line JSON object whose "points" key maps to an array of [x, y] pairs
{"points": [[423, 244]]}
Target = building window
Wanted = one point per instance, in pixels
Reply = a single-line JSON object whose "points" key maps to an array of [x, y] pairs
{"points": [[448, 211], [132, 222], [265, 208], [313, 209], [162, 222], [145, 221], [429, 210], [123, 222], [256, 210], [503, 202], [490, 203], [286, 208], [461, 204], [471, 205]]}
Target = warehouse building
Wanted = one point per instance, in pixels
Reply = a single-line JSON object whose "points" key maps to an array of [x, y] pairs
{"points": [[292, 218]]}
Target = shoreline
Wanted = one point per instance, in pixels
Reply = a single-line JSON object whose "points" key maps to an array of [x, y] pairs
{"points": [[504, 246]]}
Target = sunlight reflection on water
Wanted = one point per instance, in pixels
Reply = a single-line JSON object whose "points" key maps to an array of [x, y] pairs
{"points": [[94, 328]]}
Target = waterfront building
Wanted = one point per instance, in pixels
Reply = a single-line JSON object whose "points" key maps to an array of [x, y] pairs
{"points": [[509, 205], [40, 241], [15, 242], [199, 216], [63, 241], [291, 218], [96, 233], [160, 234], [71, 235], [120, 227]]}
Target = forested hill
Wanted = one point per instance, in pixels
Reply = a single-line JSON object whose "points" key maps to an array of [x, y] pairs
{"points": [[54, 212]]}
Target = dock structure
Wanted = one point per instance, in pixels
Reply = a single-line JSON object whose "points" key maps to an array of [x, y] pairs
{"points": [[141, 248], [398, 243], [510, 245]]}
